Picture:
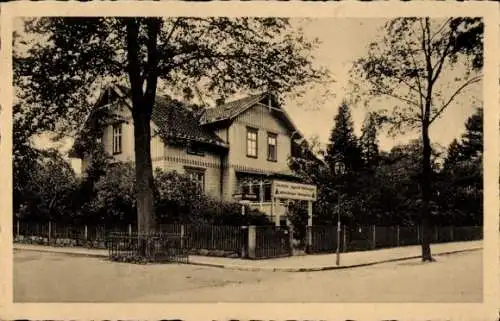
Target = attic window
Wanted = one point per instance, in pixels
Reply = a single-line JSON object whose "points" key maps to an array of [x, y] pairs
{"points": [[195, 149], [117, 138]]}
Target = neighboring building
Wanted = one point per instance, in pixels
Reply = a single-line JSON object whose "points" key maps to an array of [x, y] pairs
{"points": [[233, 151]]}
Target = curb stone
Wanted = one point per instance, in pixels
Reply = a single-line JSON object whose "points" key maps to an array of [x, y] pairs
{"points": [[95, 255], [324, 268], [268, 269]]}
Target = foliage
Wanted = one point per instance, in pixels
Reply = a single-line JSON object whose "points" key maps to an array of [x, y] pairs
{"points": [[178, 199], [343, 144], [460, 183], [97, 166], [114, 196], [230, 213], [368, 141], [298, 215], [471, 146], [48, 188]]}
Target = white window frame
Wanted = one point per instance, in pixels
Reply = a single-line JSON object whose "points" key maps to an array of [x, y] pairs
{"points": [[274, 137], [117, 138], [252, 144], [198, 176]]}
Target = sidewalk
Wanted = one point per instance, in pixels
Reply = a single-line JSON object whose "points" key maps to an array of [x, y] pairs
{"points": [[296, 263]]}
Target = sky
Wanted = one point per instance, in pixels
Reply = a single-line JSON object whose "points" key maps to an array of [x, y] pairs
{"points": [[343, 40]]}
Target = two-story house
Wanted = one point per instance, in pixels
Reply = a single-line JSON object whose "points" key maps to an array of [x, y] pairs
{"points": [[233, 151]]}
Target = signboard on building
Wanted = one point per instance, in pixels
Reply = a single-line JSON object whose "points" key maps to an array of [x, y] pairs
{"points": [[294, 191], [249, 197]]}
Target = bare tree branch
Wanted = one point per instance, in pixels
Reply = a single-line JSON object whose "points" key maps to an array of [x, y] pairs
{"points": [[388, 93], [441, 61], [172, 30], [441, 27], [452, 97], [428, 53]]}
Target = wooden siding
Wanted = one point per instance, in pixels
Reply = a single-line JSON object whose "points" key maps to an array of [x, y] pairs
{"points": [[128, 153], [223, 134], [261, 118]]}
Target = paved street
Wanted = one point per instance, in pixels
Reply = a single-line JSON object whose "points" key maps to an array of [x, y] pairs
{"points": [[50, 277]]}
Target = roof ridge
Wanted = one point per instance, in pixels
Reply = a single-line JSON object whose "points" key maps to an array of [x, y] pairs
{"points": [[243, 98]]}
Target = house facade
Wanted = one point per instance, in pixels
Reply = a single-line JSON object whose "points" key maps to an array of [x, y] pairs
{"points": [[233, 151]]}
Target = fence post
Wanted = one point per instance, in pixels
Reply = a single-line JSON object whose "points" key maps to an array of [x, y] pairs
{"points": [[344, 240], [436, 231], [397, 235], [251, 242], [182, 236], [309, 238], [50, 231], [374, 236], [86, 233], [130, 229], [17, 227], [418, 234]]}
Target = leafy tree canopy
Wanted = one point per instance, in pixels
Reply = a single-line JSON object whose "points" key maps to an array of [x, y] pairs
{"points": [[57, 77]]}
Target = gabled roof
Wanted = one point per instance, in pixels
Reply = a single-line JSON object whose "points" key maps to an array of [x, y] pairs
{"points": [[176, 121], [234, 108], [230, 109]]}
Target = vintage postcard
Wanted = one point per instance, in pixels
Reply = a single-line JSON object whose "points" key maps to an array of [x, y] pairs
{"points": [[267, 161]]}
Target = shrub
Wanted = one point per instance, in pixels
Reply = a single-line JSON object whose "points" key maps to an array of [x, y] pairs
{"points": [[230, 213], [177, 198], [115, 196], [298, 215]]}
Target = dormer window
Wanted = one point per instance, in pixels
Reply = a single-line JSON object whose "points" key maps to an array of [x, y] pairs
{"points": [[117, 139]]}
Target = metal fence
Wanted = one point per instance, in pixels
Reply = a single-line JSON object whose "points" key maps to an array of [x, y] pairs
{"points": [[229, 239], [362, 238], [154, 247], [272, 242], [59, 234], [324, 239], [199, 239], [269, 242]]}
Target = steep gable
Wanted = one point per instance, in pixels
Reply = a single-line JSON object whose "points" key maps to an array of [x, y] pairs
{"points": [[173, 122], [231, 110]]}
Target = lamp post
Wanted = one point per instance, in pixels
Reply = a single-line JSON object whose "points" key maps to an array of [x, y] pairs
{"points": [[339, 170]]}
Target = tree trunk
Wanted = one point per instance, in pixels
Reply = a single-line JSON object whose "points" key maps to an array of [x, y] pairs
{"points": [[426, 195], [144, 173], [426, 159], [141, 113]]}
